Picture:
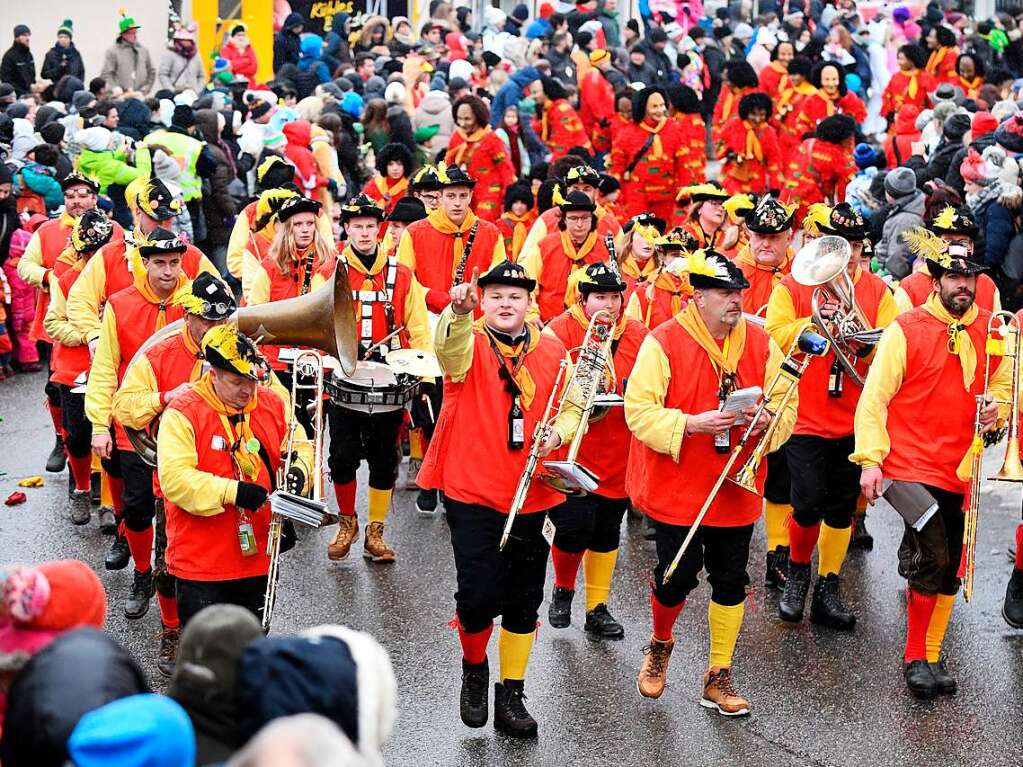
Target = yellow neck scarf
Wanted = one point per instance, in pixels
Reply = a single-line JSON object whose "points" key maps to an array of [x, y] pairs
{"points": [[631, 268], [745, 256], [726, 359], [914, 84], [520, 230], [669, 283], [523, 379], [147, 292], [657, 148], [388, 190], [468, 140], [935, 59], [753, 149], [960, 342], [577, 312], [244, 445], [439, 220], [193, 348], [576, 256]]}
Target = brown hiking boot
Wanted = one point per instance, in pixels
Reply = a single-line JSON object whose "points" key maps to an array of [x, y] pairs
{"points": [[414, 464], [655, 668], [719, 694], [375, 549], [347, 532], [168, 651]]}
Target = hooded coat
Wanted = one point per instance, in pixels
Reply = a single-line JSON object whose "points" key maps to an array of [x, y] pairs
{"points": [[337, 41], [287, 45], [217, 203], [435, 109], [905, 213], [298, 134], [511, 92], [179, 73], [18, 68]]}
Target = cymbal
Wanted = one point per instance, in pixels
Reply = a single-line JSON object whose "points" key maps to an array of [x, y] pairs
{"points": [[414, 362]]}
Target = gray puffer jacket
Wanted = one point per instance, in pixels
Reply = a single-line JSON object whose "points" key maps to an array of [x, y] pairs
{"points": [[906, 212]]}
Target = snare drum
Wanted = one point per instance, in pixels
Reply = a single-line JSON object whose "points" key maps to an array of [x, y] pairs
{"points": [[372, 388]]}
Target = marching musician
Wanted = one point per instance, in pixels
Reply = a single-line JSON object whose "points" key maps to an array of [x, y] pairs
{"points": [[406, 211], [667, 293], [160, 375], [936, 352], [70, 360], [764, 262], [706, 220], [388, 303], [824, 483], [130, 316], [437, 249], [587, 526], [684, 373], [262, 234], [48, 242], [571, 247], [637, 246], [578, 178], [499, 373], [426, 186], [957, 227], [219, 449]]}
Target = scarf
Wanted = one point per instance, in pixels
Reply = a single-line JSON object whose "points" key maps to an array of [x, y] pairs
{"points": [[389, 191], [975, 201], [580, 317], [971, 86], [513, 148], [631, 268], [244, 445], [745, 256], [935, 59], [520, 230], [577, 256], [914, 84], [471, 142], [657, 148], [143, 287], [725, 359], [960, 342], [518, 371], [669, 283], [753, 149], [194, 350], [439, 220]]}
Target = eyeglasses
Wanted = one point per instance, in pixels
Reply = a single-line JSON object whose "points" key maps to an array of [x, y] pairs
{"points": [[219, 307]]}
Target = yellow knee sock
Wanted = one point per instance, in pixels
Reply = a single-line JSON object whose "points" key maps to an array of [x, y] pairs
{"points": [[776, 524], [415, 444], [832, 545], [938, 625], [379, 503], [97, 464], [106, 498], [598, 567], [513, 650], [724, 623]]}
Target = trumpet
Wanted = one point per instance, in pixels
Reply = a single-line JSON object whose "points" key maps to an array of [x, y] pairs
{"points": [[284, 504], [540, 434], [822, 264], [810, 345], [593, 374], [1007, 326]]}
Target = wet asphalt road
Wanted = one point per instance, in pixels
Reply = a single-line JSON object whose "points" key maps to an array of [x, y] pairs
{"points": [[819, 697]]}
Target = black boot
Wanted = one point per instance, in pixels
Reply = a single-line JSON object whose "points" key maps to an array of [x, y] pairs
{"points": [[945, 682], [96, 487], [602, 624], [142, 590], [777, 565], [472, 701], [426, 502], [790, 607], [119, 555], [919, 679], [169, 639], [861, 537], [1012, 608], [560, 613], [827, 608], [510, 715], [57, 459]]}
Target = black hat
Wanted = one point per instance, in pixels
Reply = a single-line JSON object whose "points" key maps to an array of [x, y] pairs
{"points": [[953, 221], [225, 348], [183, 116], [157, 201], [259, 107], [295, 205], [770, 216], [707, 190], [507, 273], [361, 206], [601, 277], [608, 184], [274, 172], [408, 210], [941, 256], [426, 179], [453, 175], [491, 59], [645, 219], [91, 231], [709, 269], [575, 201], [845, 221], [161, 242], [836, 129], [208, 297], [75, 178], [581, 174], [518, 192]]}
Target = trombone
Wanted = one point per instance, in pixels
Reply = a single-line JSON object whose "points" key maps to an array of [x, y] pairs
{"points": [[1003, 340], [312, 511], [810, 345]]}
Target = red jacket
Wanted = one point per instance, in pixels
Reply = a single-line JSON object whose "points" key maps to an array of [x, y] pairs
{"points": [[653, 180], [899, 147], [485, 158], [744, 167], [242, 62], [560, 129], [818, 106], [597, 107], [298, 133], [901, 90], [694, 143], [819, 171]]}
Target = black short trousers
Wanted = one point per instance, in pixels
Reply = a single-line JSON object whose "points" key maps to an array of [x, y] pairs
{"points": [[825, 483], [722, 551]]}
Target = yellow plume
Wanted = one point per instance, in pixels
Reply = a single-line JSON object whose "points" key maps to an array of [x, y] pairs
{"points": [[648, 232], [698, 264], [946, 219], [816, 215], [224, 340], [442, 172], [924, 243], [188, 300], [556, 197]]}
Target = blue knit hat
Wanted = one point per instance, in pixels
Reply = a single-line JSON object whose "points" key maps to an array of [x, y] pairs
{"points": [[137, 730], [352, 105], [864, 155]]}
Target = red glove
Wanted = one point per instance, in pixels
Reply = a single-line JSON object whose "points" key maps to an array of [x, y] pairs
{"points": [[15, 498]]}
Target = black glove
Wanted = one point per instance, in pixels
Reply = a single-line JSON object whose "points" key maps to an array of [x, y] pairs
{"points": [[295, 480], [250, 496]]}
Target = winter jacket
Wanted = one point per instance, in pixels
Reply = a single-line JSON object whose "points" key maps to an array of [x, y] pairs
{"points": [[892, 252], [40, 180], [937, 166], [243, 63], [307, 177], [562, 66], [128, 67], [435, 109], [311, 69], [287, 45], [217, 203], [510, 93], [659, 61], [645, 74], [337, 49], [400, 127], [60, 61], [898, 148], [18, 68], [106, 167], [996, 224], [179, 74]]}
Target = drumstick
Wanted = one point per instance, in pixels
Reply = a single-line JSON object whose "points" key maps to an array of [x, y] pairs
{"points": [[383, 341], [429, 407]]}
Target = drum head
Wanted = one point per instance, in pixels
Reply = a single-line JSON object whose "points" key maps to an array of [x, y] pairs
{"points": [[370, 375], [414, 362]]}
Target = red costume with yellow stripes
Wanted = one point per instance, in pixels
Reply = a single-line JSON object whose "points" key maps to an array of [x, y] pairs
{"points": [[558, 259], [651, 184], [484, 157], [907, 89], [819, 171], [560, 128], [750, 157]]}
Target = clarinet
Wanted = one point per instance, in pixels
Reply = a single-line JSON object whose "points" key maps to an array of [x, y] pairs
{"points": [[466, 252], [612, 257], [307, 278]]}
